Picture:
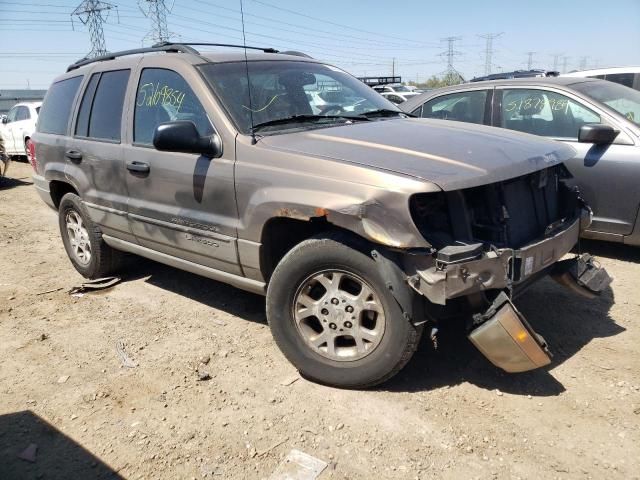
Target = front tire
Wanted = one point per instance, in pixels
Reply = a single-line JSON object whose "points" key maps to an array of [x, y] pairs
{"points": [[332, 317], [82, 239]]}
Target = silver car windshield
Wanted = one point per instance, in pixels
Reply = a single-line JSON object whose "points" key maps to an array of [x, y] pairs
{"points": [[290, 89], [624, 100]]}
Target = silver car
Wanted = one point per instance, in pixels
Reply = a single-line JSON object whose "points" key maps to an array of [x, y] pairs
{"points": [[599, 119]]}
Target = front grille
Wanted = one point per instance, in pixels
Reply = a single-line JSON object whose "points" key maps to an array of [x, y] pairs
{"points": [[504, 214]]}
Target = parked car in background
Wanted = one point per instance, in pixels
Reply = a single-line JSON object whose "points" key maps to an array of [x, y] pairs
{"points": [[18, 128], [599, 119], [516, 74], [359, 224], [627, 76]]}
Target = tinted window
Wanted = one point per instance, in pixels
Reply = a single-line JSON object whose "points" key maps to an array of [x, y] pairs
{"points": [[57, 106], [23, 114], [625, 79], [106, 112], [11, 116], [545, 113], [82, 122], [164, 96], [461, 107]]}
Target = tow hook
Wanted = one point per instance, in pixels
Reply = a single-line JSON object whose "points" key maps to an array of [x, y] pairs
{"points": [[507, 340], [582, 275]]}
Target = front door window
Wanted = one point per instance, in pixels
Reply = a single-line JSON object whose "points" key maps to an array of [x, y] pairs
{"points": [[545, 113]]}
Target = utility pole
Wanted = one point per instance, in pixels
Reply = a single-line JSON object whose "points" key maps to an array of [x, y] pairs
{"points": [[488, 51], [530, 60], [156, 10], [93, 13], [393, 67], [565, 61], [556, 58], [452, 76], [583, 63]]}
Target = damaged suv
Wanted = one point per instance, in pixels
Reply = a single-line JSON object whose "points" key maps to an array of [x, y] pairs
{"points": [[360, 224]]}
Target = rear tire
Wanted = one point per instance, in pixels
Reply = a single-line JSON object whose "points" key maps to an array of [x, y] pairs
{"points": [[356, 336], [88, 252]]}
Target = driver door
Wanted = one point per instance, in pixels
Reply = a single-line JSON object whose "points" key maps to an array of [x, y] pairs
{"points": [[180, 204]]}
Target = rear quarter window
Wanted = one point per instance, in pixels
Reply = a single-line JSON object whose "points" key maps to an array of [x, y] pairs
{"points": [[56, 108]]}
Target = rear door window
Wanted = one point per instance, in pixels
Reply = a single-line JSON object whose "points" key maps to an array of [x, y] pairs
{"points": [[545, 113], [82, 121], [106, 109], [462, 107], [56, 108], [164, 96]]}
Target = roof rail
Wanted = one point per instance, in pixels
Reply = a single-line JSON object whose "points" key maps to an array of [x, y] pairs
{"points": [[206, 44], [161, 47], [111, 56]]}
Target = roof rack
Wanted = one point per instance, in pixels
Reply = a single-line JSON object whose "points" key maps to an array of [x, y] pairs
{"points": [[206, 44], [168, 47]]}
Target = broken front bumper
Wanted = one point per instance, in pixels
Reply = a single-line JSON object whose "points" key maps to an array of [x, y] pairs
{"points": [[455, 273]]}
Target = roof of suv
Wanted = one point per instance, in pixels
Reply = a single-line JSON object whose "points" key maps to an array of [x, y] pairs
{"points": [[193, 56], [414, 102]]}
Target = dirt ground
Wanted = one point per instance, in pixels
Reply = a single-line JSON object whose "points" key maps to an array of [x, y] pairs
{"points": [[448, 414]]}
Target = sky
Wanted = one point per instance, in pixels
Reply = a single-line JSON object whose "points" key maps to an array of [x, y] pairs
{"points": [[38, 38]]}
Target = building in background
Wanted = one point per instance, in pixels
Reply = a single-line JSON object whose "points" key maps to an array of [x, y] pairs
{"points": [[8, 98]]}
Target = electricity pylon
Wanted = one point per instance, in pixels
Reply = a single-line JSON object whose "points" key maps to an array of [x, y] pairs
{"points": [[93, 13]]}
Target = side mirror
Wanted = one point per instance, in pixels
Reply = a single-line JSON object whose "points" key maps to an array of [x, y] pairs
{"points": [[5, 119], [597, 133], [182, 136]]}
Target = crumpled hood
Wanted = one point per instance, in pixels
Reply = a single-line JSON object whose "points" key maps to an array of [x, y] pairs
{"points": [[453, 155]]}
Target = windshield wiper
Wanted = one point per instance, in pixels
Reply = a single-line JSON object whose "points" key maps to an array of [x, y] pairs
{"points": [[305, 118], [385, 112]]}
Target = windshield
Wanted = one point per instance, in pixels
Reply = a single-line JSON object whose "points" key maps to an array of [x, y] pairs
{"points": [[624, 100], [285, 89], [401, 88]]}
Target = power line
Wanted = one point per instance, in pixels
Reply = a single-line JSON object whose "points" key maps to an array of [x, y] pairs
{"points": [[350, 27], [90, 13], [488, 51]]}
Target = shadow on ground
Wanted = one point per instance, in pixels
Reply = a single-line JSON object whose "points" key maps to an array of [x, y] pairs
{"points": [[7, 183], [56, 457], [567, 321], [616, 251], [218, 295]]}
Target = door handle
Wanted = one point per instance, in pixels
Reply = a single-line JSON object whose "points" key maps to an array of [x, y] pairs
{"points": [[73, 155], [138, 167]]}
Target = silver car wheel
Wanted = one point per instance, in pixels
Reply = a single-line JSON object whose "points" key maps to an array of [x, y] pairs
{"points": [[78, 238], [339, 315]]}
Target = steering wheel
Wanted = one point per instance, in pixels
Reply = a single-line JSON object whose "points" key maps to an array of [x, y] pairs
{"points": [[330, 108]]}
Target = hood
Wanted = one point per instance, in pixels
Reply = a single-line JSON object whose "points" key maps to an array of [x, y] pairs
{"points": [[452, 155]]}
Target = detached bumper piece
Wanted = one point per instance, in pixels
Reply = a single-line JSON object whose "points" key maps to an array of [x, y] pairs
{"points": [[582, 275], [507, 340]]}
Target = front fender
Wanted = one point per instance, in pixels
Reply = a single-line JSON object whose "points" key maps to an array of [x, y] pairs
{"points": [[371, 203]]}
